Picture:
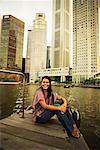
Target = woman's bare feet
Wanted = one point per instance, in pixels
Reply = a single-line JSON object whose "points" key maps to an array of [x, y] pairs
{"points": [[75, 132]]}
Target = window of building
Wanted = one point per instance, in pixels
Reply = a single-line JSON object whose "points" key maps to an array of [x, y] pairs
{"points": [[57, 20], [58, 3], [67, 21], [57, 39], [66, 5]]}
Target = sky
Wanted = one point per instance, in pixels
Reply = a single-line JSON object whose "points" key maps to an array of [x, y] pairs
{"points": [[26, 10]]}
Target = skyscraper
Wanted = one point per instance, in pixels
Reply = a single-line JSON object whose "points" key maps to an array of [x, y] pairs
{"points": [[61, 33], [38, 46], [86, 37], [48, 60], [28, 53], [12, 36]]}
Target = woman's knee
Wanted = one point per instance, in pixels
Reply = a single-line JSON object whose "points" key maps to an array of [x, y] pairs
{"points": [[59, 113], [40, 120]]}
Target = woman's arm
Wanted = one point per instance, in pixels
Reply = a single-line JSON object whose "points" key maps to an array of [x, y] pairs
{"points": [[62, 99], [51, 107]]}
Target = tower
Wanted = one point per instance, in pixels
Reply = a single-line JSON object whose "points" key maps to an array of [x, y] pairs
{"points": [[61, 33], [38, 46], [12, 36], [48, 60], [86, 37]]}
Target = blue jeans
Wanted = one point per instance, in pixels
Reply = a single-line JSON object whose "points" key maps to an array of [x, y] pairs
{"points": [[65, 119]]}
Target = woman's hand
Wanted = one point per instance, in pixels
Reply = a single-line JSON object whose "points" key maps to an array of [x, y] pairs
{"points": [[62, 99], [62, 108]]}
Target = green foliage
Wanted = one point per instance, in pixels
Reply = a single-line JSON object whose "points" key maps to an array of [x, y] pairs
{"points": [[91, 81]]}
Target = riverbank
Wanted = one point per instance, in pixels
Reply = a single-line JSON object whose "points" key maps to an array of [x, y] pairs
{"points": [[69, 85], [22, 134], [89, 86]]}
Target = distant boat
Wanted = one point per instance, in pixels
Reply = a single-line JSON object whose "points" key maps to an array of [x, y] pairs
{"points": [[66, 86]]}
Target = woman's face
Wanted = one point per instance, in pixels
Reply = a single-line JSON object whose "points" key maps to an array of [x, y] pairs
{"points": [[45, 84]]}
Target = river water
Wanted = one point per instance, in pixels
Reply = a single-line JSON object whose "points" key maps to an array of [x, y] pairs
{"points": [[87, 100]]}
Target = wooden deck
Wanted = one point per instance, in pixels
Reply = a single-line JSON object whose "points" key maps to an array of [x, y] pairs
{"points": [[22, 134]]}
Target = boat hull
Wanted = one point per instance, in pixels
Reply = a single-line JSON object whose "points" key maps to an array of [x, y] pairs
{"points": [[8, 96]]}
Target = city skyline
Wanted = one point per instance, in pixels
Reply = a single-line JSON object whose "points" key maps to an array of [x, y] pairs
{"points": [[26, 10]]}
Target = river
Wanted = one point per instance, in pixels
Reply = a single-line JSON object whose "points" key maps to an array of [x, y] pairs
{"points": [[87, 100]]}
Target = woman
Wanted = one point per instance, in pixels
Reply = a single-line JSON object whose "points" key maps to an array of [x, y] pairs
{"points": [[45, 106]]}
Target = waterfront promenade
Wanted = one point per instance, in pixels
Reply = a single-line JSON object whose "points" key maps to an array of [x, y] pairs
{"points": [[20, 133]]}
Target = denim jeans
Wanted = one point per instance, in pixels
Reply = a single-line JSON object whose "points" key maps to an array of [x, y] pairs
{"points": [[64, 118]]}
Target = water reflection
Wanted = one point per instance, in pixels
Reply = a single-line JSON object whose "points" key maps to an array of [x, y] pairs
{"points": [[88, 102]]}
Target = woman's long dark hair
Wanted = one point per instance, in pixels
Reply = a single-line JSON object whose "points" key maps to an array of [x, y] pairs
{"points": [[49, 90]]}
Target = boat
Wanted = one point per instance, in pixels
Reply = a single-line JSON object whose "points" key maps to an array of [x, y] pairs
{"points": [[10, 81], [66, 86]]}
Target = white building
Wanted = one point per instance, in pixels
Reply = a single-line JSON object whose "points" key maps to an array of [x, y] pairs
{"points": [[61, 33], [86, 39], [62, 73], [38, 46]]}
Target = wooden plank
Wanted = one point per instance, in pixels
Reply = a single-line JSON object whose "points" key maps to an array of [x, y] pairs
{"points": [[53, 126], [21, 143], [42, 138], [50, 134], [35, 127], [34, 136]]}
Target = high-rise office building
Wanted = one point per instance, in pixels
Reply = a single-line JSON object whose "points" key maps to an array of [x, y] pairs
{"points": [[38, 46], [12, 36], [28, 54], [48, 60], [61, 33], [86, 36]]}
